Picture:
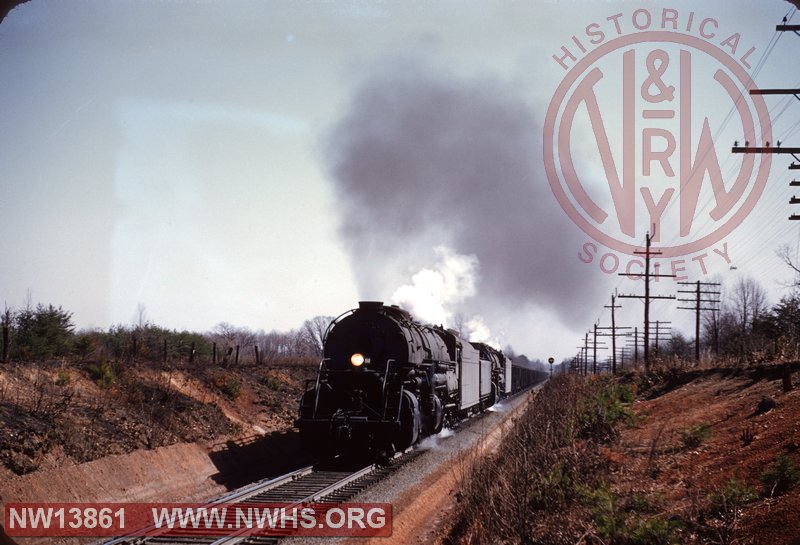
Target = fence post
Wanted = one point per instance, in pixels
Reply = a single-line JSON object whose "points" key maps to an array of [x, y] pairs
{"points": [[258, 359], [236, 359], [5, 343], [191, 354], [165, 350]]}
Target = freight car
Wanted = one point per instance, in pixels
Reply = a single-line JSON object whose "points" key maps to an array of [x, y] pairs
{"points": [[386, 380]]}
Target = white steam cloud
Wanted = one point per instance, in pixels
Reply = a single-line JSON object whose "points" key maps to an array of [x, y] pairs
{"points": [[479, 332], [433, 293]]}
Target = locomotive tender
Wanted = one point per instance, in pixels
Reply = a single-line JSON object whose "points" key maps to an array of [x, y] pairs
{"points": [[386, 381]]}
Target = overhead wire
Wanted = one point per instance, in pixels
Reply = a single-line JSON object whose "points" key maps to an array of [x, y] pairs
{"points": [[784, 104]]}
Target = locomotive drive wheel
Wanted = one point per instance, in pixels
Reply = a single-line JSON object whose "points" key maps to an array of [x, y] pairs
{"points": [[438, 415], [409, 422]]}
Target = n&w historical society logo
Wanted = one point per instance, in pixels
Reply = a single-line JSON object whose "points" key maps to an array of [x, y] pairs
{"points": [[629, 139]]}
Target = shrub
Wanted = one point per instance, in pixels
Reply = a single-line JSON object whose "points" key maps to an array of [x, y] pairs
{"points": [[232, 388], [618, 523], [43, 332], [694, 436], [602, 410], [734, 494], [83, 345], [626, 393], [103, 374], [272, 382], [780, 476], [653, 531], [63, 378]]}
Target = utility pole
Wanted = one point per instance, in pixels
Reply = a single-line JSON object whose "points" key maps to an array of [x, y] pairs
{"points": [[594, 349], [662, 329], [635, 345], [698, 307], [765, 148], [647, 297], [613, 337], [777, 149], [614, 328], [623, 355], [585, 353]]}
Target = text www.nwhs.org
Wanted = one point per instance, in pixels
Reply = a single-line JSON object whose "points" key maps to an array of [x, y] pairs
{"points": [[141, 519]]}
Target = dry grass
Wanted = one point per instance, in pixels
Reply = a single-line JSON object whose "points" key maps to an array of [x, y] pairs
{"points": [[549, 462], [698, 458]]}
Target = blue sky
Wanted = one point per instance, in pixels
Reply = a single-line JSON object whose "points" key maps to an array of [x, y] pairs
{"points": [[176, 154]]}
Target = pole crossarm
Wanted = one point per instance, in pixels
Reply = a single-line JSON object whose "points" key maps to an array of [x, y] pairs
{"points": [[701, 290], [765, 149], [777, 91]]}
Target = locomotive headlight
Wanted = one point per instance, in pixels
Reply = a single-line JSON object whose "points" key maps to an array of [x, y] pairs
{"points": [[357, 359]]}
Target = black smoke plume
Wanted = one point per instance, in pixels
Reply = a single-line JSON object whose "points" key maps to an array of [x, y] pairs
{"points": [[423, 158]]}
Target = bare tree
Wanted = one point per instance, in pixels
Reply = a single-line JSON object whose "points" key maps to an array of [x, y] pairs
{"points": [[140, 318], [314, 331], [460, 325], [786, 256], [229, 336], [712, 326], [748, 300]]}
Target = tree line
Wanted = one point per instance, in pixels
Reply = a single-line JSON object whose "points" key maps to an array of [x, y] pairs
{"points": [[47, 332], [744, 327]]}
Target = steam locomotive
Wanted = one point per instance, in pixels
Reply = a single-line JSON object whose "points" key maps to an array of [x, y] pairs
{"points": [[386, 381]]}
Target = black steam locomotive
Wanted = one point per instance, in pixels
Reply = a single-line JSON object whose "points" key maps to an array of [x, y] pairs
{"points": [[386, 380]]}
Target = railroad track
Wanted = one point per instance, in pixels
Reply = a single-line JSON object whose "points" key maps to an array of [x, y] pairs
{"points": [[302, 486], [306, 485]]}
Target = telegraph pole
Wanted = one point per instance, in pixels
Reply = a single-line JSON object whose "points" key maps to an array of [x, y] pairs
{"points": [[647, 297], [765, 148], [595, 346], [586, 353], [662, 328], [698, 307], [613, 334], [777, 149], [636, 345], [613, 337]]}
